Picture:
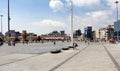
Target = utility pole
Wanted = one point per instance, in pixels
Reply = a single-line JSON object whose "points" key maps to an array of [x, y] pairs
{"points": [[117, 19]]}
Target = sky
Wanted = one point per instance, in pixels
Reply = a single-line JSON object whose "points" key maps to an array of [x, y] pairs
{"points": [[45, 16]]}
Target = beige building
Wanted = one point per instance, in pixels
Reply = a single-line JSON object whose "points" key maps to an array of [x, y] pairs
{"points": [[101, 34], [81, 38], [105, 33]]}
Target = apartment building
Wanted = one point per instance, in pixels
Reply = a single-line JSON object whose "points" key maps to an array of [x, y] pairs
{"points": [[105, 33]]}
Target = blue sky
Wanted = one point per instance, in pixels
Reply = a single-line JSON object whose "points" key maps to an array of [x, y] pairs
{"points": [[44, 16]]}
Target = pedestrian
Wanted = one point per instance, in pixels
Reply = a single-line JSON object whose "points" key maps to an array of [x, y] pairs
{"points": [[13, 42], [1, 41], [75, 46], [9, 42], [54, 43]]}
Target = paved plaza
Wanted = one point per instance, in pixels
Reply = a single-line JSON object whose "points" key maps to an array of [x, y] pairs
{"points": [[37, 57]]}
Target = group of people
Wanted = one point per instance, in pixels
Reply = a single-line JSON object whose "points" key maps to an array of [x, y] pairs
{"points": [[11, 42]]}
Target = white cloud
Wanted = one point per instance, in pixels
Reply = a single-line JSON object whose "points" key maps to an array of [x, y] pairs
{"points": [[47, 26], [80, 3], [56, 5], [49, 23], [99, 14], [97, 19]]}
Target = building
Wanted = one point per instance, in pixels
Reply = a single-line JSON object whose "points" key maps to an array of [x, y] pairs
{"points": [[32, 37], [81, 38], [62, 33], [88, 32], [97, 34], [11, 33], [101, 34], [77, 33], [117, 30], [18, 33], [110, 31], [1, 35], [55, 35], [105, 33]]}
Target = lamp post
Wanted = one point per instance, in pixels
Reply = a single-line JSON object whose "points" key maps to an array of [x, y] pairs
{"points": [[9, 42], [117, 19], [71, 12], [1, 22], [8, 17]]}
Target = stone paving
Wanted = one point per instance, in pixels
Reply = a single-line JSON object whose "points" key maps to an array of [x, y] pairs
{"points": [[92, 57]]}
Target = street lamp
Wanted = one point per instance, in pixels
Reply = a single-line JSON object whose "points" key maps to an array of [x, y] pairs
{"points": [[117, 18], [71, 12], [1, 22], [9, 42], [8, 17]]}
